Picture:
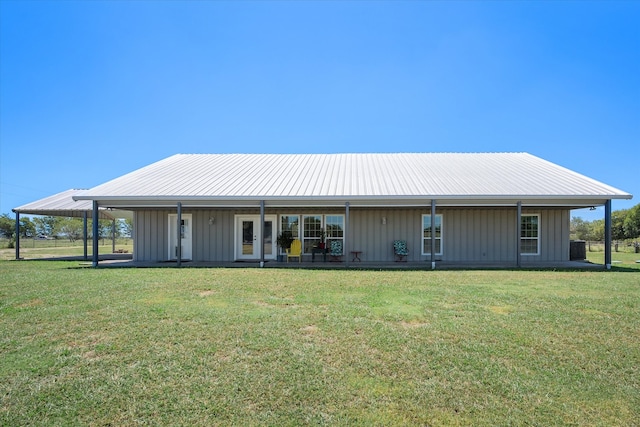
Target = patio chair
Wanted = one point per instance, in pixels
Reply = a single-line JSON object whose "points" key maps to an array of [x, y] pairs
{"points": [[400, 250], [295, 250], [336, 250]]}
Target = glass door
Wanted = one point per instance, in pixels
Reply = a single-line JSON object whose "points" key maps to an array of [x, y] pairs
{"points": [[248, 238]]}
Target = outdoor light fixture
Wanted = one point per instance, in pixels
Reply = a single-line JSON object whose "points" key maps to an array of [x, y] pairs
{"points": [[211, 220], [384, 220]]}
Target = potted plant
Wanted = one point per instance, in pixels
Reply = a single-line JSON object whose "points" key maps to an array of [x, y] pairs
{"points": [[284, 242], [323, 235]]}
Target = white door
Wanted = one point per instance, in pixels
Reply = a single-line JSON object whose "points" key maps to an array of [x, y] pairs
{"points": [[185, 236], [248, 237]]}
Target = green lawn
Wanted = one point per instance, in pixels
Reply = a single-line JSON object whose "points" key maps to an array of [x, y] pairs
{"points": [[200, 347], [37, 249]]}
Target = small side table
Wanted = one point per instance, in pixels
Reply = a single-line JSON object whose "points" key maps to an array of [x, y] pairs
{"points": [[356, 256], [315, 251]]}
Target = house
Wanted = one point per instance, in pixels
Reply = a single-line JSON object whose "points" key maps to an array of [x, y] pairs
{"points": [[466, 208]]}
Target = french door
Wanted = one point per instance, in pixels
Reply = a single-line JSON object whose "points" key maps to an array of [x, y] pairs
{"points": [[248, 237]]}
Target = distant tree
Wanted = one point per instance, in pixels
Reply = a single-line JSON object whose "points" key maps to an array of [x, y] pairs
{"points": [[105, 228], [7, 226], [126, 227], [579, 228], [45, 225], [71, 228], [617, 224], [632, 223], [27, 227], [596, 230]]}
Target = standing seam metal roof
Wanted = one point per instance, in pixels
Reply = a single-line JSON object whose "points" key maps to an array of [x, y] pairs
{"points": [[362, 175]]}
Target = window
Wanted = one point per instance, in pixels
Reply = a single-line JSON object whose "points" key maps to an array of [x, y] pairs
{"points": [[530, 234], [334, 227], [426, 235], [290, 224], [311, 232]]}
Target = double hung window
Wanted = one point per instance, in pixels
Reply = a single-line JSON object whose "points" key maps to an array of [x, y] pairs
{"points": [[530, 234], [311, 232], [426, 235], [334, 227], [290, 224]]}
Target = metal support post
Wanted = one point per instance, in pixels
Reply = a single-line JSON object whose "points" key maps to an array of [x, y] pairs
{"points": [[17, 235], [347, 241], [95, 218], [262, 233], [518, 231], [607, 234], [84, 234], [113, 236], [179, 237], [433, 234]]}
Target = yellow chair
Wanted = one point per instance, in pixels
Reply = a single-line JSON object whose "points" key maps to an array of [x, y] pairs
{"points": [[295, 250]]}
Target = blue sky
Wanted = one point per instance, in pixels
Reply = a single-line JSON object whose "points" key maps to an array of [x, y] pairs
{"points": [[90, 90]]}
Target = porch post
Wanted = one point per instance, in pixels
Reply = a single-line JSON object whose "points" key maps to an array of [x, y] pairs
{"points": [[262, 233], [179, 237], [347, 244], [94, 225], [433, 234], [84, 233], [518, 231], [607, 234], [17, 235], [113, 236]]}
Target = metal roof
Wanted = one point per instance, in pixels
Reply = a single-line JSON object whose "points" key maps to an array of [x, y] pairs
{"points": [[375, 178], [63, 204]]}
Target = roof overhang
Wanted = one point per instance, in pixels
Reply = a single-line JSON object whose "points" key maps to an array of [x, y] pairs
{"points": [[64, 205], [137, 202]]}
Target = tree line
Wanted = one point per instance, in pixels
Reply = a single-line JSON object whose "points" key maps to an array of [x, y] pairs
{"points": [[625, 225], [61, 228]]}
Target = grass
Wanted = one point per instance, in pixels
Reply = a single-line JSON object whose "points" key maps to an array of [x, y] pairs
{"points": [[625, 259], [82, 346], [38, 249]]}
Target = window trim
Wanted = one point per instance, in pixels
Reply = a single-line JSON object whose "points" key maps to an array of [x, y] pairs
{"points": [[537, 238], [441, 238]]}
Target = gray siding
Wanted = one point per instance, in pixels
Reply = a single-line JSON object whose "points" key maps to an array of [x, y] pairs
{"points": [[375, 239], [150, 229], [479, 235], [470, 235], [213, 242]]}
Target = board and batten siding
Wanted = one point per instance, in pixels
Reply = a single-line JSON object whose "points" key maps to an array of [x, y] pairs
{"points": [[150, 235], [490, 235], [470, 235], [475, 235]]}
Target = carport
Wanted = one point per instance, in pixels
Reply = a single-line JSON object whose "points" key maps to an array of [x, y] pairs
{"points": [[63, 205]]}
